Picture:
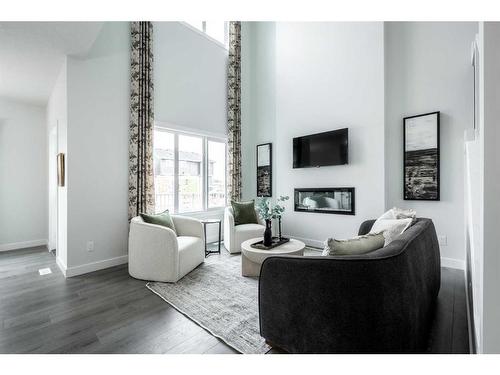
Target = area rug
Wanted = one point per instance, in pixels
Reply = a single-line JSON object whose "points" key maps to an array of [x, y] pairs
{"points": [[219, 299]]}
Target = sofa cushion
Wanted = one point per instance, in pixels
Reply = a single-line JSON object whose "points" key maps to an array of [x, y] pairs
{"points": [[392, 233], [392, 217], [354, 246], [247, 228], [164, 219], [396, 225], [246, 231], [400, 213], [244, 212], [395, 217]]}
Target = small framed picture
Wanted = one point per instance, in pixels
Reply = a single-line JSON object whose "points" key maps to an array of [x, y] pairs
{"points": [[421, 157], [61, 169], [264, 170]]}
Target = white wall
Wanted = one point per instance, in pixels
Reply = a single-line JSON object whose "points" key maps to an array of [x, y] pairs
{"points": [[428, 68], [327, 76], [190, 78], [91, 100], [98, 123], [302, 78], [56, 117], [258, 97], [330, 76], [23, 175], [489, 140]]}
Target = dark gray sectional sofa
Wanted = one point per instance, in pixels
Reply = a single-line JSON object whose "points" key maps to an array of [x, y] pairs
{"points": [[381, 302]]}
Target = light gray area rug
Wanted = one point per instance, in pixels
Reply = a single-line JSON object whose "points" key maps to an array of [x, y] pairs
{"points": [[219, 299]]}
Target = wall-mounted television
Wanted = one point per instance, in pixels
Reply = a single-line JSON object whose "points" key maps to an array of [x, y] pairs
{"points": [[322, 149]]}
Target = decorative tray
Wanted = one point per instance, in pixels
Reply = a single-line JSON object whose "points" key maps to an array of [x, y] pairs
{"points": [[276, 242]]}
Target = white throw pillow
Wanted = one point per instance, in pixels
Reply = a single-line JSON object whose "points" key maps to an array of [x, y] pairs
{"points": [[396, 221], [392, 233], [401, 213], [385, 224], [388, 215]]}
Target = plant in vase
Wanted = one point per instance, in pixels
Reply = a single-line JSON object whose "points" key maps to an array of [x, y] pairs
{"points": [[278, 211], [267, 213]]}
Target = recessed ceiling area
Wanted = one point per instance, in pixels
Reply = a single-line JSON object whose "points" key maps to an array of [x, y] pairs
{"points": [[31, 54]]}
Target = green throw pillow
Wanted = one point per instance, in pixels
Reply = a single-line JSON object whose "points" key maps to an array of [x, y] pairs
{"points": [[354, 246], [163, 219], [244, 212]]}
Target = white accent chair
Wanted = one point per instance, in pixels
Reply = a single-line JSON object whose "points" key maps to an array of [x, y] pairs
{"points": [[156, 253], [235, 235]]}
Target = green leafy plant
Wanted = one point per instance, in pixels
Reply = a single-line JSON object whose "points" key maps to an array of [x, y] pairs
{"points": [[267, 211]]}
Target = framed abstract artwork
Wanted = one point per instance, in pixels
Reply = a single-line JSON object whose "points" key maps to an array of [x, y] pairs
{"points": [[265, 170], [421, 157], [61, 169]]}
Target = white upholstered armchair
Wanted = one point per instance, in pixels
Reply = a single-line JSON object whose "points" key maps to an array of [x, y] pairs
{"points": [[234, 235], [157, 253]]}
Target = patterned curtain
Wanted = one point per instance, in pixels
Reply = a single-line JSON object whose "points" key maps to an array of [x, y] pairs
{"points": [[141, 177], [234, 112]]}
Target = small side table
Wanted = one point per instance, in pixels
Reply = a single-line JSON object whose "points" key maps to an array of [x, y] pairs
{"points": [[211, 221]]}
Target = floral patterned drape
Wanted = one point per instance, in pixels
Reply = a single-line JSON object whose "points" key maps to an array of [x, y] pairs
{"points": [[234, 112], [141, 177]]}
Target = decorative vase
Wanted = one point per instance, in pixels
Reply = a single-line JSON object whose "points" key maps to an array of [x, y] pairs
{"points": [[268, 234]]}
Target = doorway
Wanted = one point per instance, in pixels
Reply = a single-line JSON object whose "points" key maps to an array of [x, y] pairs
{"points": [[53, 147]]}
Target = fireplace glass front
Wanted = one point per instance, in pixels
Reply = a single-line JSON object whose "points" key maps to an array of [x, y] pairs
{"points": [[325, 200]]}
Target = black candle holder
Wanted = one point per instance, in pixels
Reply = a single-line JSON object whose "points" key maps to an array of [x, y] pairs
{"points": [[279, 228]]}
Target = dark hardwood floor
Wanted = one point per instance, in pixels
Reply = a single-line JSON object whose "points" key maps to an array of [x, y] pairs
{"points": [[109, 312]]}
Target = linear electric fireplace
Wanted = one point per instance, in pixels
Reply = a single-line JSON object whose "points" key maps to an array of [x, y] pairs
{"points": [[325, 200]]}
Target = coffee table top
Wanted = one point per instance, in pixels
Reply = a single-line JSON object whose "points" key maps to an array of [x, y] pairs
{"points": [[289, 247]]}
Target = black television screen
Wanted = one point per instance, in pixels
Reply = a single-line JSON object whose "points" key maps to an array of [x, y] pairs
{"points": [[316, 150]]}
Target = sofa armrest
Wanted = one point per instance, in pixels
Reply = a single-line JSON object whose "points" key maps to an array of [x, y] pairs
{"points": [[153, 251], [188, 226], [229, 229], [326, 305], [228, 222], [365, 227]]}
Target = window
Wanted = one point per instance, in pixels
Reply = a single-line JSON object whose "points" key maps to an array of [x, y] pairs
{"points": [[164, 171], [217, 30], [216, 174], [190, 157], [190, 171]]}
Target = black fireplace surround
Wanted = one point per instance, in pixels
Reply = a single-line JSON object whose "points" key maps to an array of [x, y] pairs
{"points": [[337, 200]]}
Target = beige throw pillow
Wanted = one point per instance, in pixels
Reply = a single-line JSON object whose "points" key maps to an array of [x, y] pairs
{"points": [[354, 246]]}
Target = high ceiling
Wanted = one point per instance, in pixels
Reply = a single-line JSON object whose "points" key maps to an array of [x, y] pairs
{"points": [[31, 54]]}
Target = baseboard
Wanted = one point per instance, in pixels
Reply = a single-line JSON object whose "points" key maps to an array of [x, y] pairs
{"points": [[94, 266], [308, 241], [22, 245], [61, 266], [453, 263]]}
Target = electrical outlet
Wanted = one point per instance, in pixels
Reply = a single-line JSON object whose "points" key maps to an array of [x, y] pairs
{"points": [[443, 240], [90, 245]]}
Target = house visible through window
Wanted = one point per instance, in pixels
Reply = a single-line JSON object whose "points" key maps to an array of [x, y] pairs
{"points": [[190, 171], [216, 174], [217, 30]]}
